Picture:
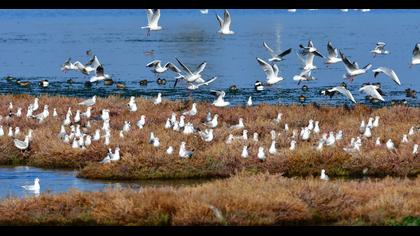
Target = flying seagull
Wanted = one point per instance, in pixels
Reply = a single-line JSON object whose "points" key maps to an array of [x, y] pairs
{"points": [[275, 57], [271, 72], [388, 72], [99, 75], [332, 56], [190, 76], [415, 59], [372, 90], [305, 75], [225, 23], [158, 69], [192, 86], [153, 16], [340, 89], [353, 69], [379, 49]]}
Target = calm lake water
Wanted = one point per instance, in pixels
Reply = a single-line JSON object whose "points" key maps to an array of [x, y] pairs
{"points": [[58, 181], [34, 43]]}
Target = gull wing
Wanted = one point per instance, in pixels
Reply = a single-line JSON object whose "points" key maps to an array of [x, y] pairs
{"points": [[371, 90], [416, 51], [227, 19], [349, 66], [316, 53], [184, 67], [268, 69], [220, 20], [207, 82], [332, 53], [389, 72], [275, 69], [153, 63], [218, 93], [149, 16], [343, 91], [269, 49], [155, 16], [100, 71], [172, 67], [288, 51], [310, 44], [200, 68]]}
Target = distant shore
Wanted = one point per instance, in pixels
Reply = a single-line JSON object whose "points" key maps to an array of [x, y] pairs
{"points": [[140, 160]]}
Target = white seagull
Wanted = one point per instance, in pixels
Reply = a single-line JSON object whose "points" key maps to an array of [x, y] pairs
{"points": [[388, 72], [191, 76], [332, 56], [276, 57], [379, 49], [183, 153], [220, 101], [192, 86], [225, 23], [35, 187], [99, 75], [271, 72], [153, 16], [22, 145], [372, 90], [89, 102], [353, 69], [341, 90], [158, 69], [415, 59]]}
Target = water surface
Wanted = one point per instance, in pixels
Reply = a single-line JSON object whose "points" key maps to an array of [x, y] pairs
{"points": [[34, 43]]}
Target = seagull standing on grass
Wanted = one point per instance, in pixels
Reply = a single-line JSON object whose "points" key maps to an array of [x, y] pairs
{"points": [[323, 175], [158, 99], [183, 153], [191, 112]]}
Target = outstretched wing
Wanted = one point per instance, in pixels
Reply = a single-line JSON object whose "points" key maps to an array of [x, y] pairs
{"points": [[269, 49], [286, 52], [155, 16], [227, 19], [343, 91], [172, 67], [331, 51], [153, 63], [200, 68], [184, 67], [268, 69], [389, 72], [220, 20]]}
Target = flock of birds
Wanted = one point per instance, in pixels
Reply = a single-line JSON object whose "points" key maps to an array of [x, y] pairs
{"points": [[307, 54], [82, 138]]}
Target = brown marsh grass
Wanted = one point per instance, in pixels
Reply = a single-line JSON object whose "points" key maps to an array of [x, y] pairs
{"points": [[140, 160], [244, 199]]}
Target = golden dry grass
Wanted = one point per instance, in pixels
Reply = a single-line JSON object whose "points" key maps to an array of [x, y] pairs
{"points": [[141, 160], [244, 199]]}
